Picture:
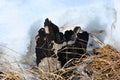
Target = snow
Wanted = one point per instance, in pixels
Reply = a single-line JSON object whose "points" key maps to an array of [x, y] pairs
{"points": [[21, 19]]}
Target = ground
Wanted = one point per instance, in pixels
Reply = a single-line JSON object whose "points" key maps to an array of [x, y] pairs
{"points": [[104, 64]]}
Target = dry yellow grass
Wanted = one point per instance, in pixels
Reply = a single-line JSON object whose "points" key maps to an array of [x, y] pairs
{"points": [[103, 65], [10, 76]]}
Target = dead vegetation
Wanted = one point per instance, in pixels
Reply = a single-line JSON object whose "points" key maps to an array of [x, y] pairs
{"points": [[9, 76], [104, 64]]}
